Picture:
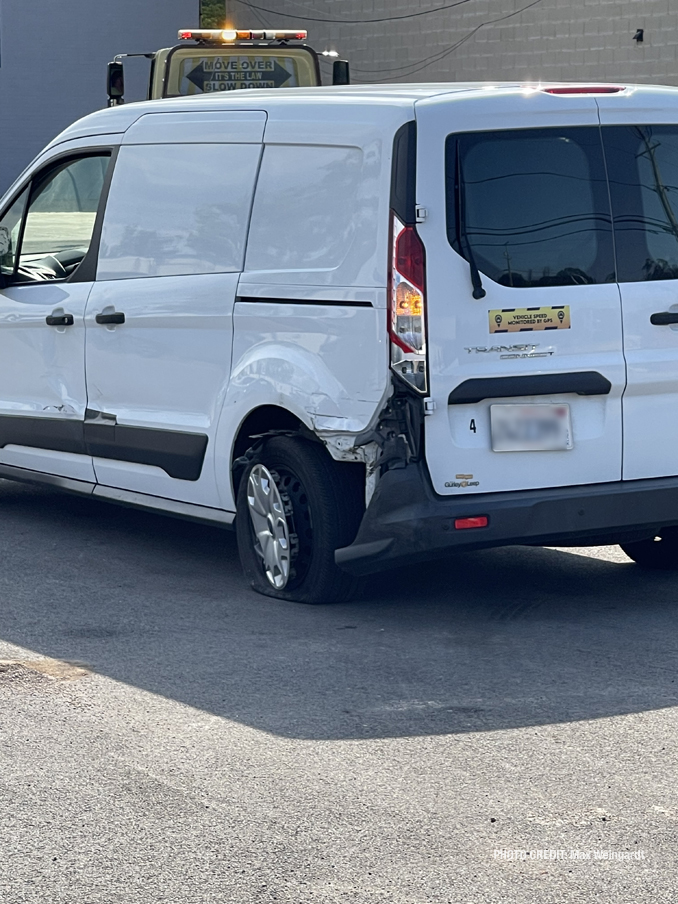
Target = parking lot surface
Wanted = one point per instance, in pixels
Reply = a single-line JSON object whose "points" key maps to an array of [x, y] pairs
{"points": [[466, 731]]}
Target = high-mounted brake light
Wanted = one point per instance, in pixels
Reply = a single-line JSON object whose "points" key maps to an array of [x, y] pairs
{"points": [[230, 36], [407, 305], [584, 89]]}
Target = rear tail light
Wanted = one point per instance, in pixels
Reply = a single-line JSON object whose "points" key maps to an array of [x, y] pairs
{"points": [[407, 305]]}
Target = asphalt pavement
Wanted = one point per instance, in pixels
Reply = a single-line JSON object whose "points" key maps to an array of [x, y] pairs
{"points": [[496, 727]]}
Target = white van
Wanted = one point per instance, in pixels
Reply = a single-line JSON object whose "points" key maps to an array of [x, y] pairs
{"points": [[368, 326]]}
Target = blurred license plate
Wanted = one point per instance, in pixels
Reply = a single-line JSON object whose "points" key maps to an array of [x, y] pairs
{"points": [[530, 428]]}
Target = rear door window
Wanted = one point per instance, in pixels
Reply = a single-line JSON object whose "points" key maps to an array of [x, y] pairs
{"points": [[643, 172], [531, 206]]}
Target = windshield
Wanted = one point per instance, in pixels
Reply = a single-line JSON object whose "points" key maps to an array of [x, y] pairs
{"points": [[205, 70]]}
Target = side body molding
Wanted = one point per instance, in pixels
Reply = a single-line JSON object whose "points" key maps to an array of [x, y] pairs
{"points": [[179, 454]]}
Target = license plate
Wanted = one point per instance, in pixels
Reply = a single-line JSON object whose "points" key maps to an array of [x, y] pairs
{"points": [[530, 428]]}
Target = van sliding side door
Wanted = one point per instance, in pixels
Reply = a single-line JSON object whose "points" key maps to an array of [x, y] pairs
{"points": [[159, 318]]}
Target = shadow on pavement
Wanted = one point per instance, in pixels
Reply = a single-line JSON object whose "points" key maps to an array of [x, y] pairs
{"points": [[490, 640]]}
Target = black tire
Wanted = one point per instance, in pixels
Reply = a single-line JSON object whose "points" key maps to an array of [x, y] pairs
{"points": [[657, 552], [323, 503]]}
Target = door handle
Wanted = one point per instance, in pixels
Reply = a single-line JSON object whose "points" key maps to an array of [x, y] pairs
{"points": [[114, 317], [59, 320], [664, 318]]}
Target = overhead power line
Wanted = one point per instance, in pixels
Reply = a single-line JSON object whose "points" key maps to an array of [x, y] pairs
{"points": [[423, 12], [418, 65]]}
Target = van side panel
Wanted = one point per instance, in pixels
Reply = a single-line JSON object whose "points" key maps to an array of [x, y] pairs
{"points": [[308, 355], [320, 215], [309, 322]]}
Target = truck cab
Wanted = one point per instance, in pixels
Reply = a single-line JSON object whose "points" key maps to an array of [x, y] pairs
{"points": [[210, 61]]}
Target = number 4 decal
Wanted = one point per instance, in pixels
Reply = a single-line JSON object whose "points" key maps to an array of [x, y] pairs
{"points": [[472, 425]]}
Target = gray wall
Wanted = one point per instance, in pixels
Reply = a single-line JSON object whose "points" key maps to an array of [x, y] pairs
{"points": [[553, 40], [53, 62]]}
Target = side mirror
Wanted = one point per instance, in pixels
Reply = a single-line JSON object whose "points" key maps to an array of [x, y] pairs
{"points": [[115, 84], [5, 245], [5, 241], [340, 73]]}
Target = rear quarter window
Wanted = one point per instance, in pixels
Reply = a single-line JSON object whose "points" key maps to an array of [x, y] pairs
{"points": [[532, 206]]}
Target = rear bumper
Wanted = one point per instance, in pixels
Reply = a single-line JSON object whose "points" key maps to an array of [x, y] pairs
{"points": [[406, 521]]}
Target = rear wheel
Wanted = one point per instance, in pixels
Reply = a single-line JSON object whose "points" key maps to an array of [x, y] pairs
{"points": [[296, 506], [656, 552]]}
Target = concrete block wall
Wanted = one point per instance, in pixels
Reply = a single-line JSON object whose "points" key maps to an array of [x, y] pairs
{"points": [[488, 40]]}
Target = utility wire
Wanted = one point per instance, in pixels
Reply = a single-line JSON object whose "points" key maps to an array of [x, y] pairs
{"points": [[418, 65], [257, 15], [423, 12]]}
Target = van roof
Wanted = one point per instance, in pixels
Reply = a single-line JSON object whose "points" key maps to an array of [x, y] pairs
{"points": [[119, 119]]}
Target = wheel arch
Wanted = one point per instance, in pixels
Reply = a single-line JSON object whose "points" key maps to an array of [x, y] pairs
{"points": [[265, 419]]}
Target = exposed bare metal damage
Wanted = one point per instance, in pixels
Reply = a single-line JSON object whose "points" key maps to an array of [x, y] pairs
{"points": [[392, 441]]}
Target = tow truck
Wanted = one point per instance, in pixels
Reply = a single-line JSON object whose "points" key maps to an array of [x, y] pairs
{"points": [[211, 60]]}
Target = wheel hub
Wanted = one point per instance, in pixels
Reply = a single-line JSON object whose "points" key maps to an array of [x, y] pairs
{"points": [[271, 530]]}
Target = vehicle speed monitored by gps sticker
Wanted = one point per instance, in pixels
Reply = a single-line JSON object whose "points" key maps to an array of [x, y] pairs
{"points": [[519, 320]]}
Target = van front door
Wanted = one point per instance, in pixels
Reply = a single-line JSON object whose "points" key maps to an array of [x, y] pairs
{"points": [[47, 266], [643, 167], [159, 318], [527, 376]]}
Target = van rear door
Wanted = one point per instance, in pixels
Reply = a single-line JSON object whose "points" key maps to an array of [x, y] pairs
{"points": [[527, 379], [640, 135]]}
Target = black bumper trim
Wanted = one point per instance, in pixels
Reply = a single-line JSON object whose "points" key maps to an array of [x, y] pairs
{"points": [[407, 522]]}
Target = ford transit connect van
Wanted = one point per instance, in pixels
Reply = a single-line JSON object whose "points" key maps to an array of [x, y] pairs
{"points": [[366, 326]]}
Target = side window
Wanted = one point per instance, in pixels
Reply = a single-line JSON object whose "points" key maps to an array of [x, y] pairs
{"points": [[177, 210], [531, 206], [643, 170], [60, 218]]}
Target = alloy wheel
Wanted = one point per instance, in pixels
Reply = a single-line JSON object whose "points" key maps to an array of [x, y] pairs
{"points": [[271, 528]]}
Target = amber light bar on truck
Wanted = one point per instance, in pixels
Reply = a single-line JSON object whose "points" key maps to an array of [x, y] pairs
{"points": [[230, 36]]}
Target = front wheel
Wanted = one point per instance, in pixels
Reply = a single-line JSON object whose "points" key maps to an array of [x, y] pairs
{"points": [[656, 552], [295, 506]]}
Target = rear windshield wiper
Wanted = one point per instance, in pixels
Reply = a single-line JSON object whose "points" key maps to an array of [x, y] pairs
{"points": [[464, 244]]}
